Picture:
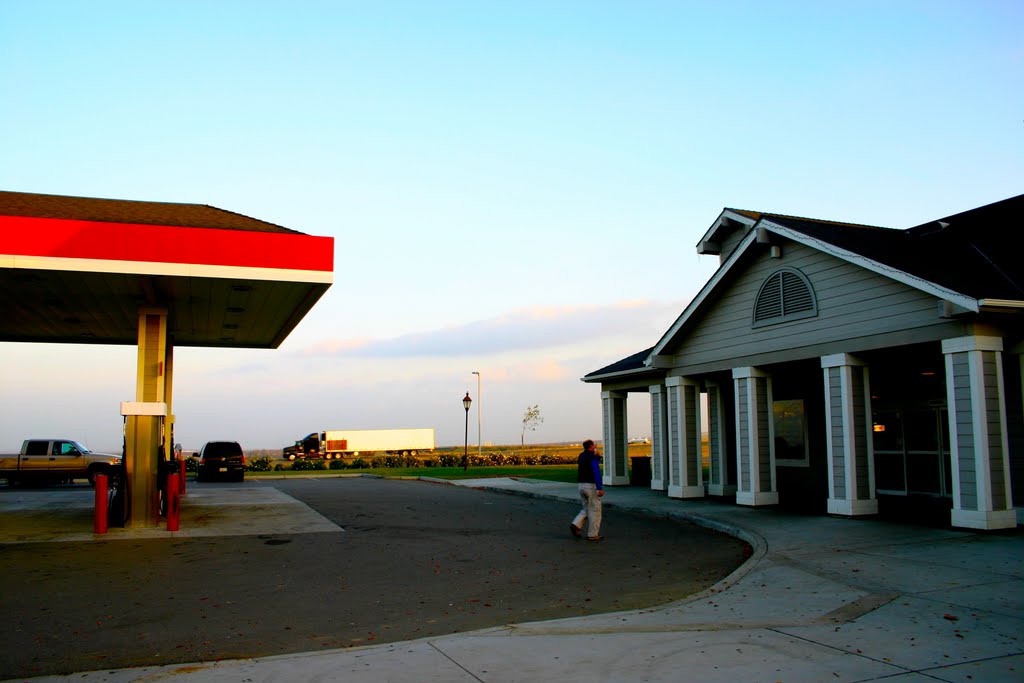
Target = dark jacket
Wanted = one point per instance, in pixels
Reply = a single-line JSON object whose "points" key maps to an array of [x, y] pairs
{"points": [[588, 468]]}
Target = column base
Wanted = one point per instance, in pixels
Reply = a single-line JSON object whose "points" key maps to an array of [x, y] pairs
{"points": [[721, 489], [659, 485], [852, 508], [757, 498], [616, 480], [685, 491], [984, 519], [694, 492]]}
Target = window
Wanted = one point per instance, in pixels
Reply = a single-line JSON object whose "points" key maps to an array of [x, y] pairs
{"points": [[786, 295], [790, 425], [38, 448], [65, 448]]}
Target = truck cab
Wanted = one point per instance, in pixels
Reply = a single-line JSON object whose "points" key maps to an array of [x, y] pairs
{"points": [[306, 447], [68, 460]]}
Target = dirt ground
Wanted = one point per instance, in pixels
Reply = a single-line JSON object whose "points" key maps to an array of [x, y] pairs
{"points": [[415, 559]]}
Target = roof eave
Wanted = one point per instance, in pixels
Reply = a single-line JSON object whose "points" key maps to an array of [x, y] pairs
{"points": [[708, 287], [621, 374], [727, 221]]}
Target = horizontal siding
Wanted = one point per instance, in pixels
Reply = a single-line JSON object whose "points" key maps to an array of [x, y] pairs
{"points": [[743, 433], [675, 444], [993, 412], [835, 403], [964, 418], [764, 444], [860, 429], [852, 303], [657, 441]]}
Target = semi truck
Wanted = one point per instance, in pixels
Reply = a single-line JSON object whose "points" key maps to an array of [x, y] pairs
{"points": [[339, 443]]}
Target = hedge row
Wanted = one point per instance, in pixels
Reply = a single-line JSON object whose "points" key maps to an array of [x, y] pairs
{"points": [[493, 459]]}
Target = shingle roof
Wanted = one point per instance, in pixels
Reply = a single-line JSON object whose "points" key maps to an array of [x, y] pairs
{"points": [[126, 211], [974, 252], [634, 362]]}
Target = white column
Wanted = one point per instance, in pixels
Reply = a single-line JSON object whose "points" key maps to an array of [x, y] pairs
{"points": [[616, 443], [718, 471], [686, 479], [977, 426], [849, 439], [659, 437], [755, 436]]}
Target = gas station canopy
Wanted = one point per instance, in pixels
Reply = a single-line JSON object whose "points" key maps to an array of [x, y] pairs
{"points": [[78, 270], [158, 276]]}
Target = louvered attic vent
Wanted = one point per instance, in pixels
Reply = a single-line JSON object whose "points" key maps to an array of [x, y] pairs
{"points": [[786, 295]]}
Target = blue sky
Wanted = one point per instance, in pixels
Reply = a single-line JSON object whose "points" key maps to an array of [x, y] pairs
{"points": [[514, 188]]}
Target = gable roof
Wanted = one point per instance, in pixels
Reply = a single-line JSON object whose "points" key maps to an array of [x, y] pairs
{"points": [[969, 258]]}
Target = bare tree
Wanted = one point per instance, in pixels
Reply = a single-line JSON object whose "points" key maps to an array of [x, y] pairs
{"points": [[531, 420]]}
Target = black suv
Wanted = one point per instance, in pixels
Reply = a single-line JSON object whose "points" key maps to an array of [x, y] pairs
{"points": [[221, 460]]}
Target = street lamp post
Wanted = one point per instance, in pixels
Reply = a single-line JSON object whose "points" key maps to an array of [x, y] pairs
{"points": [[466, 402], [479, 421]]}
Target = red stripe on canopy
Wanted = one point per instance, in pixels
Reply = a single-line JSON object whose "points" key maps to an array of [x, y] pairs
{"points": [[61, 238]]}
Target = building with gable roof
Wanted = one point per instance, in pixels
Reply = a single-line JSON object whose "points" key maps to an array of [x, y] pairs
{"points": [[844, 369]]}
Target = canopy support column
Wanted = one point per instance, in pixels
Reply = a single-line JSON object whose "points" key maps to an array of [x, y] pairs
{"points": [[144, 437]]}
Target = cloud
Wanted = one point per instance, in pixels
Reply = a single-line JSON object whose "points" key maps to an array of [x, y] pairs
{"points": [[539, 372], [520, 330], [340, 347]]}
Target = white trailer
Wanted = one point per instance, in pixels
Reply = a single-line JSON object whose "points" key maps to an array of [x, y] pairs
{"points": [[342, 442]]}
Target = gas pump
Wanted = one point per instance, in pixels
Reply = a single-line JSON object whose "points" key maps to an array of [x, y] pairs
{"points": [[117, 499]]}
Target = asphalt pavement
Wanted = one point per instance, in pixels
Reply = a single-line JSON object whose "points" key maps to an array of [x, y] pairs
{"points": [[819, 599], [288, 565]]}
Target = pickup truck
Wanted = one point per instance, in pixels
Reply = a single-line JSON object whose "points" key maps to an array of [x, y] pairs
{"points": [[55, 460]]}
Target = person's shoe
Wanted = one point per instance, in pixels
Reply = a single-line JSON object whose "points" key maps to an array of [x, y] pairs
{"points": [[595, 538], [575, 530]]}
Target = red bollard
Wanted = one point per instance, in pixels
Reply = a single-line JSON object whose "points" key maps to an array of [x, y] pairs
{"points": [[181, 476], [99, 522], [173, 504]]}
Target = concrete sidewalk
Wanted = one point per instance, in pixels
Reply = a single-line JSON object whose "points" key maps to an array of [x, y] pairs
{"points": [[821, 599]]}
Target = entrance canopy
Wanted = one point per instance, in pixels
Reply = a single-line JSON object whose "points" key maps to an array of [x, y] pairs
{"points": [[78, 270]]}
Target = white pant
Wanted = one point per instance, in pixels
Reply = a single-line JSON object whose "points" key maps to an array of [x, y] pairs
{"points": [[591, 511]]}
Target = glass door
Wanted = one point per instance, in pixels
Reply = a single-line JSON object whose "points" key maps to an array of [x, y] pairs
{"points": [[926, 432], [912, 451], [890, 458]]}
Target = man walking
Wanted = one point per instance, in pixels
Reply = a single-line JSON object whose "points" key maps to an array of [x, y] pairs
{"points": [[588, 474]]}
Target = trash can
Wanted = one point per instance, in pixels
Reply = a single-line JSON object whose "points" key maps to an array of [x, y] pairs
{"points": [[640, 470]]}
